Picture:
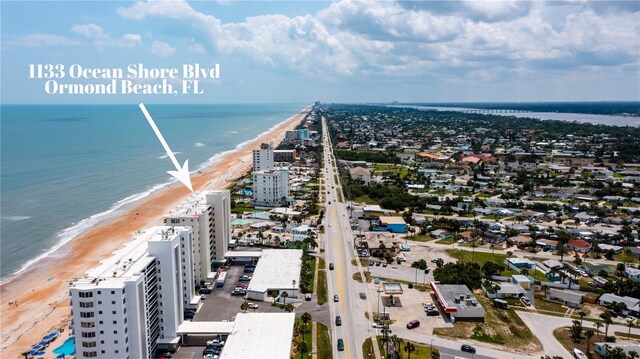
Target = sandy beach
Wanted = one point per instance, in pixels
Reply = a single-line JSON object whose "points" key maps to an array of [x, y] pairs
{"points": [[41, 292]]}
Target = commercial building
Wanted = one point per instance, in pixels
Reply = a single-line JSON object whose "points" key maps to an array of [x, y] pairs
{"points": [[284, 155], [393, 224], [277, 270], [209, 215], [260, 336], [132, 304], [263, 158], [360, 174], [458, 302], [270, 187]]}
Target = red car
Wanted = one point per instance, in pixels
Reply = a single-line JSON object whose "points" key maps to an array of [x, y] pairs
{"points": [[413, 324]]}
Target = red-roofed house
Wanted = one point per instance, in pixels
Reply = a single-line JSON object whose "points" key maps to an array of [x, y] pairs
{"points": [[579, 245], [471, 159]]}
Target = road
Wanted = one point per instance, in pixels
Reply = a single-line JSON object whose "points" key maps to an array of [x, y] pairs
{"points": [[543, 326], [338, 244]]}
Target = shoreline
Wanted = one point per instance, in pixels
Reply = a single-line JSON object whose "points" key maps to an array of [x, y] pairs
{"points": [[121, 206], [41, 290]]}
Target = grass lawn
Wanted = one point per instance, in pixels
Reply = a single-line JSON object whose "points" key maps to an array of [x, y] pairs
{"points": [[321, 263], [502, 327], [550, 306], [445, 241], [358, 278], [419, 286], [300, 337], [322, 287], [477, 257], [421, 351], [363, 262], [325, 350], [365, 199], [563, 335], [420, 238]]}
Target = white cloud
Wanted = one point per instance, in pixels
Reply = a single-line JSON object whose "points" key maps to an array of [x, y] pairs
{"points": [[440, 39], [162, 49], [196, 48], [40, 40], [101, 39]]}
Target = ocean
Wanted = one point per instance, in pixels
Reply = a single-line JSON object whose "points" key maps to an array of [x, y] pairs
{"points": [[64, 168]]}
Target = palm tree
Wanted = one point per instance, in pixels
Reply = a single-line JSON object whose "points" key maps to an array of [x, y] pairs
{"points": [[409, 348], [306, 318], [606, 318], [598, 325], [288, 308], [302, 348], [582, 314], [589, 334], [284, 296]]}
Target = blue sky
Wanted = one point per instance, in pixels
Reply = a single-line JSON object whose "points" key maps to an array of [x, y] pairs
{"points": [[341, 51]]}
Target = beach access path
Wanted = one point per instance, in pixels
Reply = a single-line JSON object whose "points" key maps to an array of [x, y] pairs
{"points": [[40, 294]]}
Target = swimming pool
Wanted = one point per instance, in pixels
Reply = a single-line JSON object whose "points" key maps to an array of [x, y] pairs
{"points": [[247, 192], [67, 348]]}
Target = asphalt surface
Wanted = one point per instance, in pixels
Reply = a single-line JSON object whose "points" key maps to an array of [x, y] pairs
{"points": [[338, 240]]}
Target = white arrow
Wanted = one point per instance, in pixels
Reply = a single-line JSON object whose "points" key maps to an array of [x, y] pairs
{"points": [[181, 173]]}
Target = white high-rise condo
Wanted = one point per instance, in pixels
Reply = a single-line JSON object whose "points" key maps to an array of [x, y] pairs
{"points": [[263, 158], [132, 303], [209, 214], [270, 187]]}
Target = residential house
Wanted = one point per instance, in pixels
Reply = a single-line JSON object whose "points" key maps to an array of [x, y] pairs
{"points": [[633, 304], [633, 274], [579, 245], [440, 234], [521, 280], [570, 298]]}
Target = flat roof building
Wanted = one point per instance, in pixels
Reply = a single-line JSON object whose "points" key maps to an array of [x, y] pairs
{"points": [[458, 302], [132, 304], [260, 336], [209, 215], [277, 270]]}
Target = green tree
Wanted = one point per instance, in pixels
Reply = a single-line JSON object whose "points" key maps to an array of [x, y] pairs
{"points": [[288, 308], [302, 348], [589, 333], [607, 320], [244, 306], [576, 331], [490, 269], [306, 318], [409, 348]]}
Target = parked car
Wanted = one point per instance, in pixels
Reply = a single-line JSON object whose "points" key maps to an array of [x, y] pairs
{"points": [[378, 264], [336, 298], [426, 271], [468, 348], [384, 264], [330, 266], [338, 320], [307, 297], [525, 301], [432, 313], [203, 297], [245, 278], [253, 306], [413, 324], [377, 326], [340, 345], [205, 290]]}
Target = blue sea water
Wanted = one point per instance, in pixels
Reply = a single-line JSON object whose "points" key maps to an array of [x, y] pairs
{"points": [[66, 167]]}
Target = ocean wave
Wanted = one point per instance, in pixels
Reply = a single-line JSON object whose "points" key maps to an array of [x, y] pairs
{"points": [[65, 236], [165, 156], [15, 218], [199, 144], [70, 233], [233, 132]]}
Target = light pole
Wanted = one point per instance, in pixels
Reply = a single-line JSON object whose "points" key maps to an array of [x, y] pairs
{"points": [[379, 291]]}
